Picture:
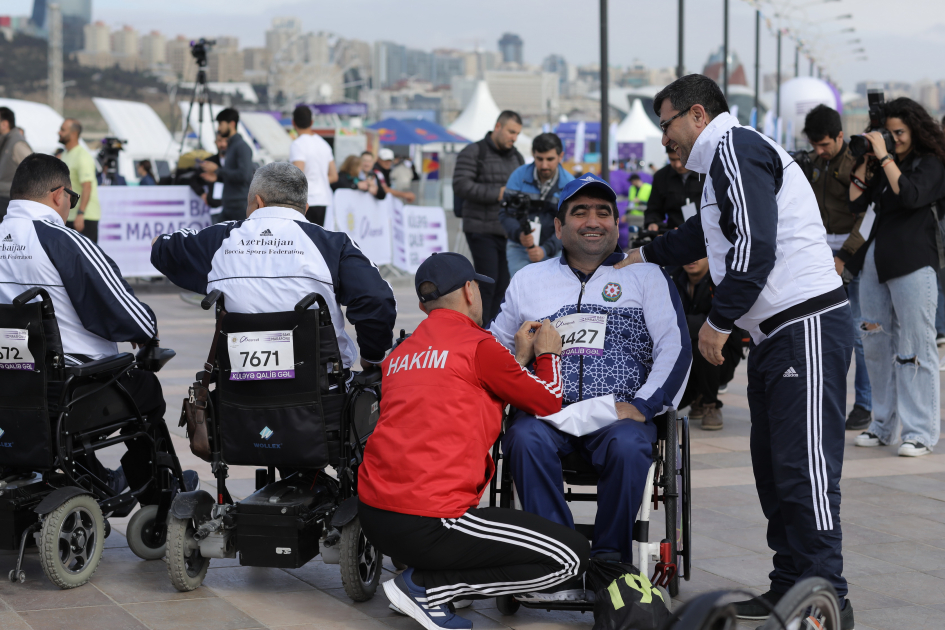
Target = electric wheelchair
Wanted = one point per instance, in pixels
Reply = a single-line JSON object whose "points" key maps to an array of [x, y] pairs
{"points": [[53, 418], [669, 478], [298, 413]]}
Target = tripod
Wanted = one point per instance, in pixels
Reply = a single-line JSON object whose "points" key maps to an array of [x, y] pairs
{"points": [[200, 96]]}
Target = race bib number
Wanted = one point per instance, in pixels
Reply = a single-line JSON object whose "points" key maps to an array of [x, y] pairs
{"points": [[14, 350], [261, 356], [582, 333]]}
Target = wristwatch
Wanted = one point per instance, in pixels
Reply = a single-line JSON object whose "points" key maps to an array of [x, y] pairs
{"points": [[884, 159], [79, 212]]}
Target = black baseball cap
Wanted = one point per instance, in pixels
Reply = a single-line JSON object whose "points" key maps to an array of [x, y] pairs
{"points": [[448, 271]]}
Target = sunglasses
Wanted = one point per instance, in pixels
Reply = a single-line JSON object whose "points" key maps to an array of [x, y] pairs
{"points": [[73, 196], [664, 124]]}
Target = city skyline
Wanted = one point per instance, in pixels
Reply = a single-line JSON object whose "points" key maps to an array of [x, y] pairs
{"points": [[431, 24]]}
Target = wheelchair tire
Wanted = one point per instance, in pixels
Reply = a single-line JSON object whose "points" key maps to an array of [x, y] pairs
{"points": [[139, 533], [185, 566], [507, 604], [360, 563], [672, 500], [71, 541]]}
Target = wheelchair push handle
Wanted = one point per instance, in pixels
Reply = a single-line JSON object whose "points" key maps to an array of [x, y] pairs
{"points": [[305, 303], [23, 298], [211, 299]]}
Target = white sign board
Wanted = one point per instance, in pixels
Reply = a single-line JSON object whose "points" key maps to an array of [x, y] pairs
{"points": [[133, 215], [419, 232], [366, 221]]}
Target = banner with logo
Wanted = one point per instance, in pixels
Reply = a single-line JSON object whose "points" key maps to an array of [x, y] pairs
{"points": [[419, 232], [133, 215], [366, 220]]}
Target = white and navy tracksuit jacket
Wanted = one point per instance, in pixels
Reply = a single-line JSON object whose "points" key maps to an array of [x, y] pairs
{"points": [[761, 229], [271, 260], [647, 352], [95, 307]]}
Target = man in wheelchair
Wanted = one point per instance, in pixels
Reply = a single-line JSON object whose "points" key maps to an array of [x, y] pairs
{"points": [[95, 308], [625, 359], [428, 462], [267, 261]]}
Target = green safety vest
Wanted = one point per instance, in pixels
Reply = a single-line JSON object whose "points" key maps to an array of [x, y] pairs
{"points": [[639, 197]]}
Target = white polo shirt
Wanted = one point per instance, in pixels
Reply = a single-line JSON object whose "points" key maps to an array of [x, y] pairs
{"points": [[316, 153]]}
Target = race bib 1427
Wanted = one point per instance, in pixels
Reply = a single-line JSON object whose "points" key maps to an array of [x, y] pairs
{"points": [[582, 333], [261, 356], [14, 351]]}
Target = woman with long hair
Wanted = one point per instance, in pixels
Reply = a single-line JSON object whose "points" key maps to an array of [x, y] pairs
{"points": [[904, 190]]}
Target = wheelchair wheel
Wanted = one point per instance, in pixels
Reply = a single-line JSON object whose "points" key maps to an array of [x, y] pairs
{"points": [[671, 492], [810, 605], [185, 566], [507, 604], [360, 563], [71, 541], [141, 534]]}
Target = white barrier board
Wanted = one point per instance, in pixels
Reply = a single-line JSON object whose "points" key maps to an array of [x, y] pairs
{"points": [[133, 215], [419, 232], [367, 221]]}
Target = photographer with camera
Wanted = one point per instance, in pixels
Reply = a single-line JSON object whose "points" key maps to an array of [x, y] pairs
{"points": [[84, 217], [108, 160], [828, 169], [900, 173], [236, 169], [530, 204], [676, 191]]}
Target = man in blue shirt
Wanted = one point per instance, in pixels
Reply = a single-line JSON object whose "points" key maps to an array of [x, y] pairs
{"points": [[530, 203]]}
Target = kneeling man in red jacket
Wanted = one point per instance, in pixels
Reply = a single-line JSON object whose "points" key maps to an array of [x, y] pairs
{"points": [[427, 463]]}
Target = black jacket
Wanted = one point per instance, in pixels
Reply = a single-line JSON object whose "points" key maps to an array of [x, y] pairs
{"points": [[904, 229], [698, 306], [236, 173], [347, 181], [480, 190], [669, 195]]}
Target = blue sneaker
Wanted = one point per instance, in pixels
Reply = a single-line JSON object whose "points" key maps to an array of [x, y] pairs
{"points": [[191, 480], [411, 600], [116, 480]]}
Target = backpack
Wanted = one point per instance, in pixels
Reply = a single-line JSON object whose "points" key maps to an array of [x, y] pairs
{"points": [[457, 200], [625, 598]]}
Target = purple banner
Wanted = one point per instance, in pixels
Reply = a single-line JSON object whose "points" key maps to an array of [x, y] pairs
{"points": [[342, 109], [18, 366], [629, 150], [262, 375], [593, 352]]}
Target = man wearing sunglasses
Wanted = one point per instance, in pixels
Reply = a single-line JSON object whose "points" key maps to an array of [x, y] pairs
{"points": [[761, 229], [95, 307]]}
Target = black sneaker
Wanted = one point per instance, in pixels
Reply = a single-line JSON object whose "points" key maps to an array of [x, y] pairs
{"points": [[859, 419], [116, 481], [755, 609], [846, 616]]}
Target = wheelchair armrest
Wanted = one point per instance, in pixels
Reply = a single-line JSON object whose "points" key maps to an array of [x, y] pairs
{"points": [[367, 378], [152, 358], [108, 364]]}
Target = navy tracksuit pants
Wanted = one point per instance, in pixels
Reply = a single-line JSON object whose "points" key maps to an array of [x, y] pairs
{"points": [[797, 387], [621, 453]]}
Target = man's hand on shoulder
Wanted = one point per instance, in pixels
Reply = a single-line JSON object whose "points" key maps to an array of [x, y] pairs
{"points": [[627, 411], [634, 256]]}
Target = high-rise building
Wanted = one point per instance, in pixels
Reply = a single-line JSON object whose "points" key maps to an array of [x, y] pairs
{"points": [[153, 48], [180, 59], [97, 38], [558, 65], [528, 93], [225, 64], [282, 31], [76, 14], [389, 63], [446, 65], [124, 42], [314, 48], [511, 48]]}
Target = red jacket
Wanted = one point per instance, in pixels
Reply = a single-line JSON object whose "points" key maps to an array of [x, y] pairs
{"points": [[441, 411]]}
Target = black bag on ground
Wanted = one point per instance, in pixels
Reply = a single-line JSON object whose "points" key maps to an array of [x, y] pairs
{"points": [[625, 598]]}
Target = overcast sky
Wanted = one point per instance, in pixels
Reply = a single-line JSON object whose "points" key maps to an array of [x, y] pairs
{"points": [[906, 44]]}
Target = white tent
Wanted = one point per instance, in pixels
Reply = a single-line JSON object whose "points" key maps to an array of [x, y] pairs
{"points": [[139, 125], [267, 131], [637, 127], [40, 123], [479, 118]]}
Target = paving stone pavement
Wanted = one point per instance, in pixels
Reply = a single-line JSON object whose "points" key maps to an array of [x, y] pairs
{"points": [[893, 519]]}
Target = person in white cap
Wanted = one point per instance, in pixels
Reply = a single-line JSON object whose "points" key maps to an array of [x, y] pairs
{"points": [[385, 159]]}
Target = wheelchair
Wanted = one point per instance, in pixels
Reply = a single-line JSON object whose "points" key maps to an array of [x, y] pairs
{"points": [[54, 416], [300, 423], [673, 554]]}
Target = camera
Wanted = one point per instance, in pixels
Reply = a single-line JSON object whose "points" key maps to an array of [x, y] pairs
{"points": [[108, 154], [802, 159], [524, 205], [200, 48], [860, 145]]}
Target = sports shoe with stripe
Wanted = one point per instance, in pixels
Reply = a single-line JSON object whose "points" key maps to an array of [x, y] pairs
{"points": [[411, 600]]}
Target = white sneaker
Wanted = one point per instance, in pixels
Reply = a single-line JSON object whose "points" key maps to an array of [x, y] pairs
{"points": [[462, 603], [913, 449], [723, 389], [867, 439]]}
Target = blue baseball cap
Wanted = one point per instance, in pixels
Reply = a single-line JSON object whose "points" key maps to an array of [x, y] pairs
{"points": [[448, 271], [588, 180]]}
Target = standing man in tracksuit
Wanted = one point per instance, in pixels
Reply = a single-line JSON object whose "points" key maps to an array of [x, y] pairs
{"points": [[761, 230]]}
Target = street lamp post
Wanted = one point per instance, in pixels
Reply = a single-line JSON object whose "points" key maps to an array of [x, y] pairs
{"points": [[725, 48], [797, 59], [680, 67], [604, 96], [777, 98], [757, 67]]}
